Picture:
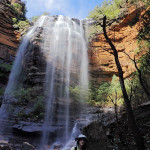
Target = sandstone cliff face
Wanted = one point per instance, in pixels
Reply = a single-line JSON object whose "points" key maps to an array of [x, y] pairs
{"points": [[124, 36], [8, 39]]}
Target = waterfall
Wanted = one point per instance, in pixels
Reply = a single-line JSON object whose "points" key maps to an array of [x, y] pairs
{"points": [[65, 50], [16, 76]]}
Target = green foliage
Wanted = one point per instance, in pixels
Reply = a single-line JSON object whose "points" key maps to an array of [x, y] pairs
{"points": [[110, 8], [14, 20], [144, 63], [34, 19], [23, 24], [28, 94], [17, 6], [103, 91], [38, 109], [19, 22], [46, 14], [79, 94], [2, 92], [6, 67], [24, 94], [93, 30], [92, 103], [34, 96], [144, 33], [75, 92]]}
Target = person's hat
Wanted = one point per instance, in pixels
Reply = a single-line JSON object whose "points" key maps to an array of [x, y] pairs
{"points": [[81, 136]]}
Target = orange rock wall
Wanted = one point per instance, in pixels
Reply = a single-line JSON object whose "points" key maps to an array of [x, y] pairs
{"points": [[8, 39], [124, 36]]}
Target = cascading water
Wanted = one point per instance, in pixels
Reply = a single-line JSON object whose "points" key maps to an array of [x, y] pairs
{"points": [[16, 76], [67, 65], [64, 48]]}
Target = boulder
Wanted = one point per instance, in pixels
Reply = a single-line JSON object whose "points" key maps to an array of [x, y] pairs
{"points": [[27, 146], [4, 146]]}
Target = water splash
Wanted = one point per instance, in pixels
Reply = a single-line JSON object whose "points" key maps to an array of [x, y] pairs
{"points": [[67, 65]]}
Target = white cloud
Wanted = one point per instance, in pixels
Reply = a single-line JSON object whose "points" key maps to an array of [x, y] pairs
{"points": [[71, 8]]}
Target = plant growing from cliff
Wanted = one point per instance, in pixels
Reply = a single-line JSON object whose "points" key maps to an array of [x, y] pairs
{"points": [[17, 7], [30, 94], [39, 108], [110, 8], [2, 92], [6, 67], [79, 94]]}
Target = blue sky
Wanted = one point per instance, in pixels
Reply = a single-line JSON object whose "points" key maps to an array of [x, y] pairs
{"points": [[71, 8]]}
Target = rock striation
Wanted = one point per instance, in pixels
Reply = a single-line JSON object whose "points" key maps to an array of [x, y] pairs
{"points": [[124, 36], [8, 39]]}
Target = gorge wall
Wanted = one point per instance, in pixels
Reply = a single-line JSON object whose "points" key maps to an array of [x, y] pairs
{"points": [[101, 63], [9, 39], [124, 36]]}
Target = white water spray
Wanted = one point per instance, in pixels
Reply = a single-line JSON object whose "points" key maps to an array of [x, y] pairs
{"points": [[16, 76], [67, 64]]}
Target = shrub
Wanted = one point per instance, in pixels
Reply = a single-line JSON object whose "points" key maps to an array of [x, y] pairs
{"points": [[74, 92], [103, 91], [110, 8], [14, 20], [17, 7], [24, 94], [2, 92], [23, 24], [6, 67], [39, 107]]}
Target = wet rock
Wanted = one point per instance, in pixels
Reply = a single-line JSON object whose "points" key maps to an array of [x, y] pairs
{"points": [[27, 146], [57, 146], [97, 139], [4, 146]]}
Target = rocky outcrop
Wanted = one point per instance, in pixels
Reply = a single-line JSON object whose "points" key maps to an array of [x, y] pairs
{"points": [[124, 36], [8, 40], [27, 146], [34, 63]]}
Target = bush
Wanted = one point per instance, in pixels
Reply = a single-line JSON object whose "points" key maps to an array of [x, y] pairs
{"points": [[2, 92], [14, 20], [28, 94], [6, 67], [110, 8], [17, 7], [39, 108], [74, 92], [103, 91], [24, 94], [23, 24]]}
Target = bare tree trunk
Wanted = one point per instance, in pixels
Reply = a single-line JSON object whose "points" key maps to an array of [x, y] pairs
{"points": [[140, 75], [130, 117], [141, 81]]}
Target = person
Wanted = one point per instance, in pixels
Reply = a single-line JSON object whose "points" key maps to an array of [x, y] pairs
{"points": [[81, 143]]}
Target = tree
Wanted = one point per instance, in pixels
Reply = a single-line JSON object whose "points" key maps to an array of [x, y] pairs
{"points": [[130, 117]]}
